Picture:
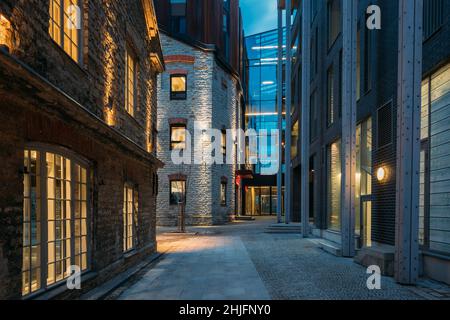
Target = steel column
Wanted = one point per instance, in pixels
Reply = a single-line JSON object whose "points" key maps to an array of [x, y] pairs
{"points": [[288, 180], [408, 141], [280, 114], [349, 27], [305, 114]]}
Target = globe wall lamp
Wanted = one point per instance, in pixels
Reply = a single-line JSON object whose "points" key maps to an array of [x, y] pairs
{"points": [[382, 174]]}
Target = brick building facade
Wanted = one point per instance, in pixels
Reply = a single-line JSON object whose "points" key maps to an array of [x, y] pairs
{"points": [[77, 144], [213, 98]]}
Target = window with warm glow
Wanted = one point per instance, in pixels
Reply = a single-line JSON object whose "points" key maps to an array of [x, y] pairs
{"points": [[295, 133], [334, 185], [130, 83], [177, 192], [130, 217], [178, 87], [223, 145], [55, 219], [65, 26], [5, 31], [223, 194], [177, 137]]}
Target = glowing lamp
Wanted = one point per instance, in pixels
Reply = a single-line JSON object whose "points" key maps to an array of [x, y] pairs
{"points": [[5, 32], [381, 174]]}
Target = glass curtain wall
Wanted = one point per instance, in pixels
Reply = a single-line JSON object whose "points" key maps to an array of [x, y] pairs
{"points": [[262, 69], [334, 186], [363, 214], [434, 223], [261, 201]]}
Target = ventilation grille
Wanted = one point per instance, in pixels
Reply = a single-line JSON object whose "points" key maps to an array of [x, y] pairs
{"points": [[433, 17], [385, 131]]}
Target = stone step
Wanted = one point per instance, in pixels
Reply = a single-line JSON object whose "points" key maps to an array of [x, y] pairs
{"points": [[244, 218], [284, 228], [379, 255], [328, 246]]}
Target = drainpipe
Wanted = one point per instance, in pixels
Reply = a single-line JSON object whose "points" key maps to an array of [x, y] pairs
{"points": [[348, 183], [305, 114], [280, 114], [288, 180], [408, 141]]}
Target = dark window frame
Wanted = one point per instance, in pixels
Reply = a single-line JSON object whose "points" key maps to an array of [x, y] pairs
{"points": [[178, 23], [331, 96], [171, 142], [171, 198], [178, 95], [331, 42], [223, 194]]}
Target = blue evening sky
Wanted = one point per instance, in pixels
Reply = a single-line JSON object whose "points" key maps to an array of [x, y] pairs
{"points": [[259, 15]]}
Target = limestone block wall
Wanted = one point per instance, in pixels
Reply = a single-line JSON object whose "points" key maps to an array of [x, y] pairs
{"points": [[212, 98]]}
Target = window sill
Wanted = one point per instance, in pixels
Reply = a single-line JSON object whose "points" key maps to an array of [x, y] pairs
{"points": [[59, 288], [433, 254], [80, 65], [129, 254]]}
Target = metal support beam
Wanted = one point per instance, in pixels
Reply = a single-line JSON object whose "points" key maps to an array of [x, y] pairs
{"points": [[280, 114], [348, 184], [408, 141], [288, 179], [305, 114]]}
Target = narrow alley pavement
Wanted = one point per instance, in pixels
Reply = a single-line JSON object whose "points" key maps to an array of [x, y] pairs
{"points": [[241, 262]]}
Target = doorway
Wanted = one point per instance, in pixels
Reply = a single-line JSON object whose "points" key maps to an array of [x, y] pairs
{"points": [[365, 234]]}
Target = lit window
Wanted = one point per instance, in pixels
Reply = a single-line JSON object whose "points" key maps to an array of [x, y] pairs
{"points": [[330, 96], [295, 133], [65, 26], [178, 87], [130, 217], [177, 137], [223, 194], [49, 220], [177, 192], [130, 84], [334, 186], [224, 145]]}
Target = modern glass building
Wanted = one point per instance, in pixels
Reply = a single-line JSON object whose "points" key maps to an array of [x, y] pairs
{"points": [[261, 114]]}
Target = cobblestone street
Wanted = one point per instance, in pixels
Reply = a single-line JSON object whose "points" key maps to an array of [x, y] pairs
{"points": [[241, 262]]}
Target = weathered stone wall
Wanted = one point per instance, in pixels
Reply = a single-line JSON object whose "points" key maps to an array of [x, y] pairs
{"points": [[72, 111], [211, 100], [97, 82]]}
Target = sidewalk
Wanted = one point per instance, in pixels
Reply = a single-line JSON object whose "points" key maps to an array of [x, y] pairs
{"points": [[241, 262], [201, 268]]}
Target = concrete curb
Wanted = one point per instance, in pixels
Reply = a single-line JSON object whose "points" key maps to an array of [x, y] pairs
{"points": [[104, 290]]}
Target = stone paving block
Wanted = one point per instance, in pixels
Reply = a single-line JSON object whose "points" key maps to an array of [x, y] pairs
{"points": [[241, 262]]}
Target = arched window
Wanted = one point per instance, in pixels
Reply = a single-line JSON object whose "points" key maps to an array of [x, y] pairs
{"points": [[55, 216]]}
